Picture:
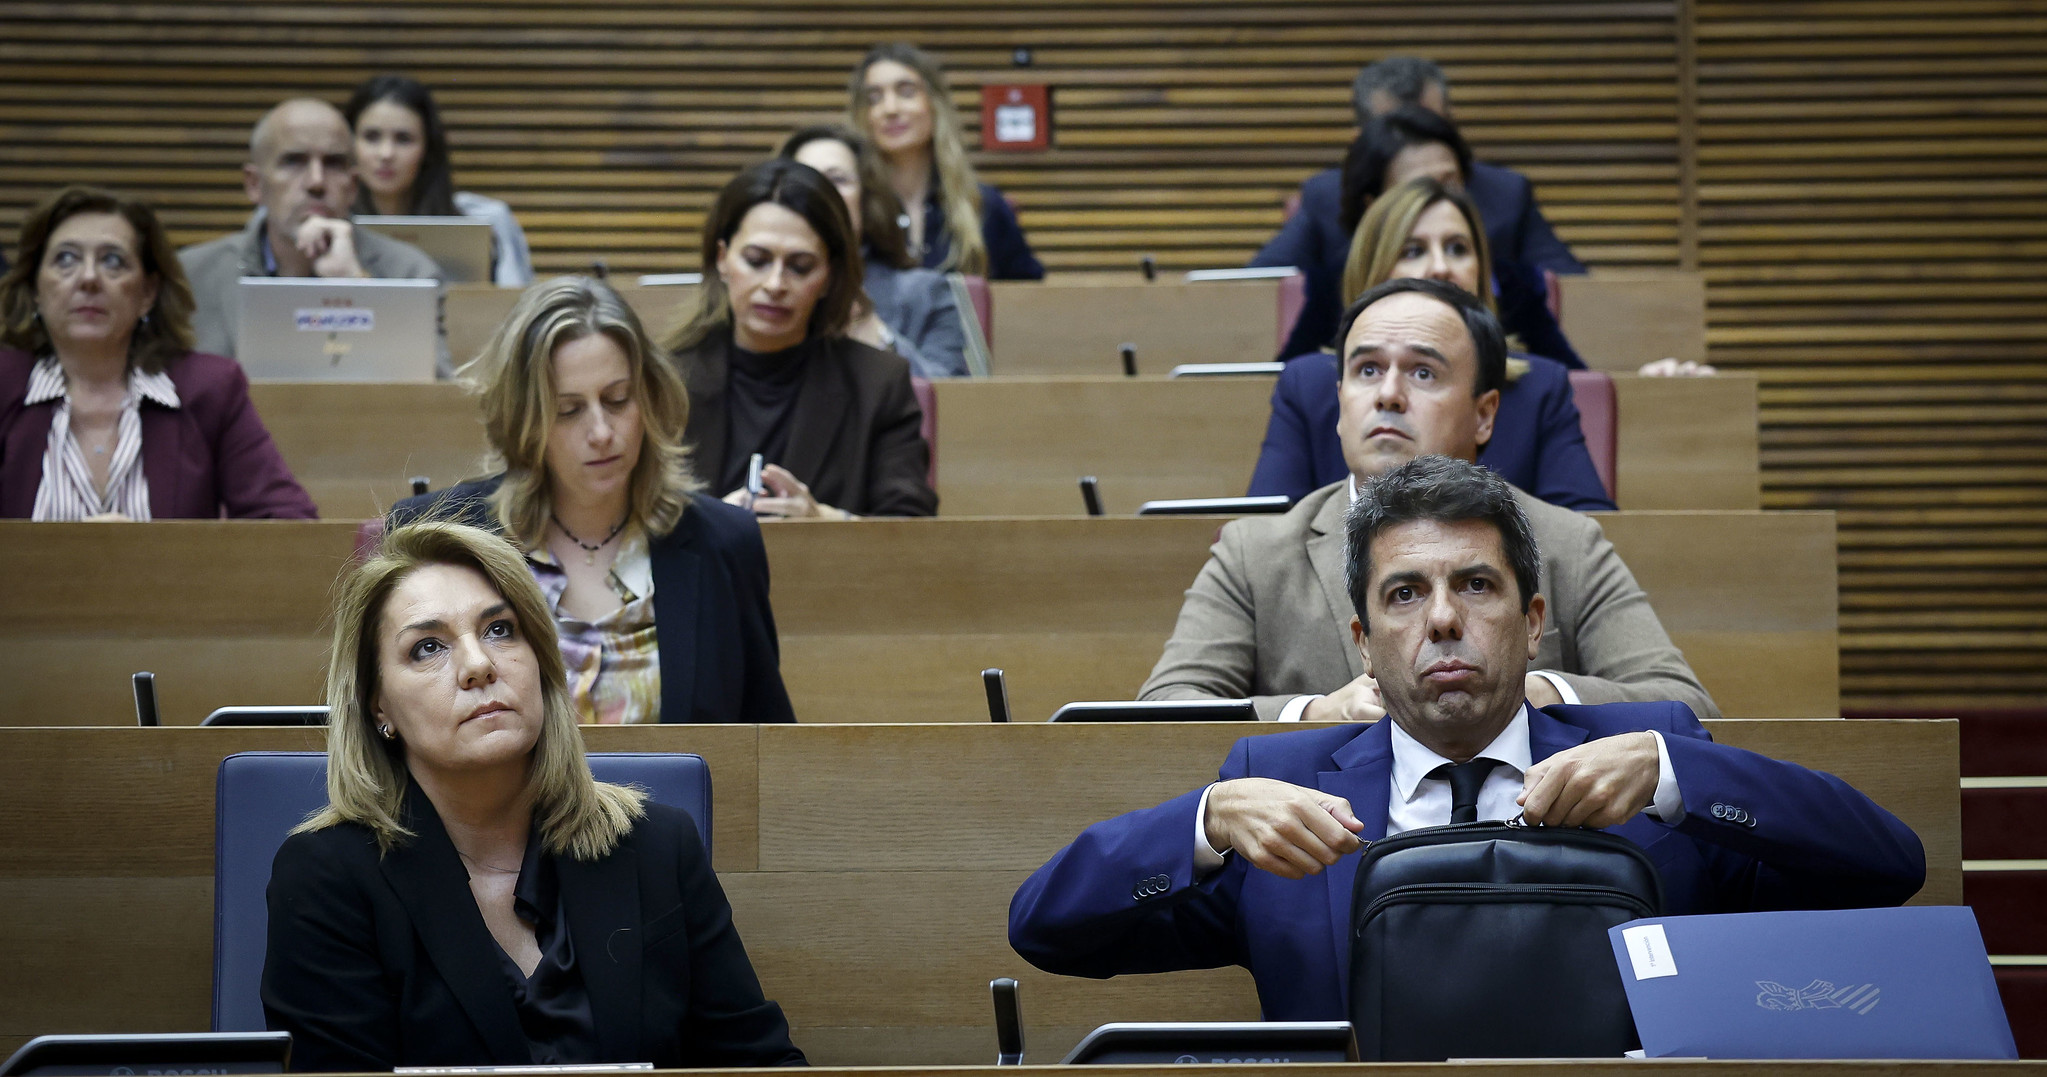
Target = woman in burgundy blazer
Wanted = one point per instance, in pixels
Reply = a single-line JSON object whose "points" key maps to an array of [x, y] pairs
{"points": [[85, 293], [207, 458]]}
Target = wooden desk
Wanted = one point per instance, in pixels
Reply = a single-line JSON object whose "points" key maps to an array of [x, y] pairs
{"points": [[472, 312], [884, 620], [224, 612], [1620, 319], [355, 447], [1688, 443], [1077, 327], [1018, 446], [869, 867]]}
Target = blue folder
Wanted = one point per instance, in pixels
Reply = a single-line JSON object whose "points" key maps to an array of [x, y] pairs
{"points": [[1854, 983]]}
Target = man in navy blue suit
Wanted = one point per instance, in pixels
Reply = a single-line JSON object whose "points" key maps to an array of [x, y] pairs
{"points": [[1255, 870], [1315, 240]]}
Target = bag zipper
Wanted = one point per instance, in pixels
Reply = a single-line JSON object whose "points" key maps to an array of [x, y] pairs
{"points": [[1482, 893]]}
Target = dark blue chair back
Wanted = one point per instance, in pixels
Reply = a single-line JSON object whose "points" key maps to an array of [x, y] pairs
{"points": [[260, 796]]}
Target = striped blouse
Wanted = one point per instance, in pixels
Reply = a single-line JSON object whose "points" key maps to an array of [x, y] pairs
{"points": [[614, 663], [67, 491]]}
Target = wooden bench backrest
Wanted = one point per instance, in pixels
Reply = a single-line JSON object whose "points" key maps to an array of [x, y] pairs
{"points": [[884, 620], [1071, 326], [1620, 319], [869, 867]]}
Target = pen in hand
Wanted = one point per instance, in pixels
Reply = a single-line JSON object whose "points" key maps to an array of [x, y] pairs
{"points": [[754, 489]]}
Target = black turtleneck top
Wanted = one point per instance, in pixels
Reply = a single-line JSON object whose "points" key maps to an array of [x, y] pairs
{"points": [[760, 407]]}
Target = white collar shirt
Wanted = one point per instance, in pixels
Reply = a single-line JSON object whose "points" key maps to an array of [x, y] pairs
{"points": [[1418, 800], [67, 491]]}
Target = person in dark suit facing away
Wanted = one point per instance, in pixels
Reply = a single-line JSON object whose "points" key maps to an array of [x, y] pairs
{"points": [[1257, 869], [1426, 228], [470, 895], [659, 592], [771, 369], [1315, 239]]}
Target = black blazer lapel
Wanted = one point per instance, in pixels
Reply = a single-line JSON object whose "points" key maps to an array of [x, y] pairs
{"points": [[602, 900], [823, 406], [678, 601], [706, 372], [429, 880]]}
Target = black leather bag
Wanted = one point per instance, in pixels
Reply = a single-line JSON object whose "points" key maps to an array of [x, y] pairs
{"points": [[1489, 940]]}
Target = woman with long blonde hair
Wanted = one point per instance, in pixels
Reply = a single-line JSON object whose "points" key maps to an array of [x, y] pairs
{"points": [[1426, 228], [898, 97], [659, 592], [471, 895]]}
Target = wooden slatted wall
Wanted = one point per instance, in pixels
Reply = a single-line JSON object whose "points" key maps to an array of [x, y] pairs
{"points": [[1873, 226], [609, 125], [1868, 192]]}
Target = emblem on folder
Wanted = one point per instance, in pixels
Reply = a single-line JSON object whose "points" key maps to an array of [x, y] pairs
{"points": [[1818, 995]]}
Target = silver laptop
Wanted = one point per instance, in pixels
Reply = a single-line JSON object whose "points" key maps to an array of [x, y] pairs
{"points": [[317, 329], [459, 245]]}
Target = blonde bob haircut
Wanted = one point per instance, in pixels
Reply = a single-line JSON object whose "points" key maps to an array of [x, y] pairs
{"points": [[1376, 245], [514, 378], [576, 815], [959, 188]]}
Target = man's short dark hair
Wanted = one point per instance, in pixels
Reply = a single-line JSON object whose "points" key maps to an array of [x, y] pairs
{"points": [[1404, 78], [1373, 151], [1488, 340], [1441, 489]]}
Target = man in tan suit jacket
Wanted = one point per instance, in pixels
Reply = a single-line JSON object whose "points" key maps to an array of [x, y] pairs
{"points": [[1269, 616]]}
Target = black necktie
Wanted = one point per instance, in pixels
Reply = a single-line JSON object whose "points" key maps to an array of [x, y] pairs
{"points": [[1465, 781]]}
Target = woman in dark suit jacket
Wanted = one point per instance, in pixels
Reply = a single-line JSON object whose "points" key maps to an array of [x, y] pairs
{"points": [[470, 895], [96, 346], [771, 370], [1423, 228], [659, 593]]}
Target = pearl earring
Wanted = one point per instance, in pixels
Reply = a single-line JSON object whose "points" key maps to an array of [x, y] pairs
{"points": [[385, 732]]}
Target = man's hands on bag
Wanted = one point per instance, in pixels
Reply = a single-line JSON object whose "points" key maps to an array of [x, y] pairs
{"points": [[1599, 783], [1288, 830]]}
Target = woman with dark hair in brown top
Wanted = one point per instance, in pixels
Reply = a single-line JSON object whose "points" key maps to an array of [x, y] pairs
{"points": [[771, 370]]}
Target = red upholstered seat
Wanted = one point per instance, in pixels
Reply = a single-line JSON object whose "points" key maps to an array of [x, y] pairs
{"points": [[1598, 417], [367, 536], [1293, 294]]}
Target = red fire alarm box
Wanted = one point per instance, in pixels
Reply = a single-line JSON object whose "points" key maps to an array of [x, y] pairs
{"points": [[1016, 117]]}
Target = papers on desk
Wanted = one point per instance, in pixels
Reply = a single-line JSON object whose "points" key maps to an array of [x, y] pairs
{"points": [[1854, 983]]}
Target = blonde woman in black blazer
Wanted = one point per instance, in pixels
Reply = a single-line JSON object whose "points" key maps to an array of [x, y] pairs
{"points": [[471, 896]]}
